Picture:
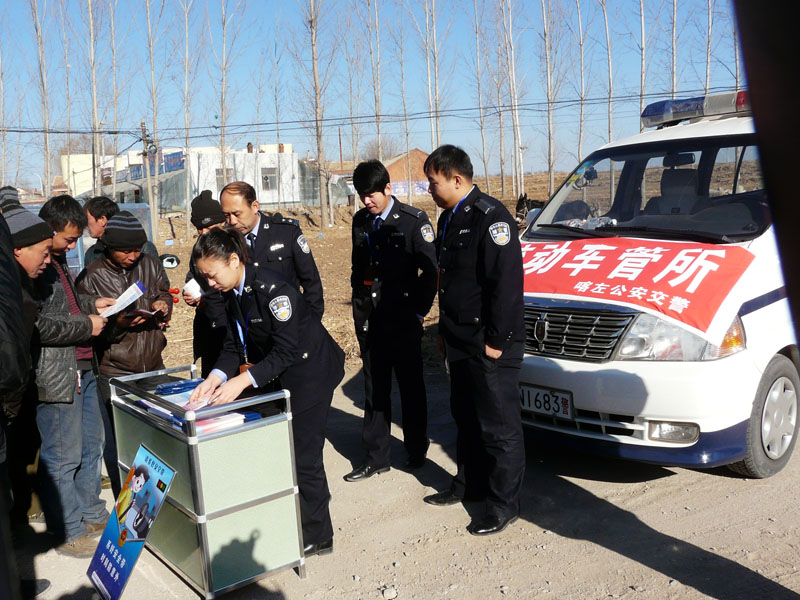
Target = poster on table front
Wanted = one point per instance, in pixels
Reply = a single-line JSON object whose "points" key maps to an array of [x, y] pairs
{"points": [[127, 529]]}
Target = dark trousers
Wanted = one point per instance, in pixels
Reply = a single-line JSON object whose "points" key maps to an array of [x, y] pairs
{"points": [[22, 438], [110, 458], [308, 433], [381, 352], [490, 450]]}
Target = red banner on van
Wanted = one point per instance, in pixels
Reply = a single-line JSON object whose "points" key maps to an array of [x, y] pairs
{"points": [[684, 281]]}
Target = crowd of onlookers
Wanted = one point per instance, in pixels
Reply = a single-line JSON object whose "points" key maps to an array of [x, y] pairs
{"points": [[58, 355]]}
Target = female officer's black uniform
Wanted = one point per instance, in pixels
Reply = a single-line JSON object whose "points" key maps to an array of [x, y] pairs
{"points": [[288, 345]]}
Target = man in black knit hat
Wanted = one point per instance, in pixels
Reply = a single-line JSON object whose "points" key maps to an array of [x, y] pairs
{"points": [[210, 322], [132, 342], [98, 211]]}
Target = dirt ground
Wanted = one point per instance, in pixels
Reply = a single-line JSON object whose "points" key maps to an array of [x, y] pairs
{"points": [[590, 528]]}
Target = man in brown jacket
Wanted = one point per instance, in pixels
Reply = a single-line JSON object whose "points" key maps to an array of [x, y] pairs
{"points": [[133, 340]]}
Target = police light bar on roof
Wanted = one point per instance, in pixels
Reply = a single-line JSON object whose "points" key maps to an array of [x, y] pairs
{"points": [[669, 112]]}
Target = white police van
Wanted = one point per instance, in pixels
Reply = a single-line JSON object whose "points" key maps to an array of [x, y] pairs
{"points": [[658, 327]]}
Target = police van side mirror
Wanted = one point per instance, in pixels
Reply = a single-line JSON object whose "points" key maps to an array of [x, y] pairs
{"points": [[532, 214], [169, 261]]}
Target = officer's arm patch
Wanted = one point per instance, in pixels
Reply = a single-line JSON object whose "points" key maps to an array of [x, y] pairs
{"points": [[500, 232], [301, 241], [427, 232], [281, 308]]}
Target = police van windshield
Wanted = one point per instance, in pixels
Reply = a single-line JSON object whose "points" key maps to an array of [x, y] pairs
{"points": [[704, 189]]}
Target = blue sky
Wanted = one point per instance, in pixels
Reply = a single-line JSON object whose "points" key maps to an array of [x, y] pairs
{"points": [[264, 25]]}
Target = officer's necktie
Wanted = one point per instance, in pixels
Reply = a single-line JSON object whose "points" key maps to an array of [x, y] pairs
{"points": [[251, 240], [376, 224]]}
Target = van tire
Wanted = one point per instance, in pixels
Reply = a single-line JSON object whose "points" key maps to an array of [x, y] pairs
{"points": [[775, 405]]}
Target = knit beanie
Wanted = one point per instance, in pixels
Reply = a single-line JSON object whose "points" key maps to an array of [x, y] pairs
{"points": [[206, 211], [9, 196], [124, 232], [26, 228]]}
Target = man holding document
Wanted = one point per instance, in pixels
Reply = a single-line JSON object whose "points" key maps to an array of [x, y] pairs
{"points": [[133, 340]]}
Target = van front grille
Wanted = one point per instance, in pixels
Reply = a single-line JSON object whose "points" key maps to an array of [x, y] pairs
{"points": [[575, 334]]}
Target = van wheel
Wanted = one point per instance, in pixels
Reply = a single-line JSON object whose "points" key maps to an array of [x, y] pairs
{"points": [[772, 431]]}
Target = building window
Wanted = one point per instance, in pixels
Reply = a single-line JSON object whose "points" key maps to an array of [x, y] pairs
{"points": [[222, 181], [269, 179]]}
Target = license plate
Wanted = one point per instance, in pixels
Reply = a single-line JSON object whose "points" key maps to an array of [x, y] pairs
{"points": [[545, 401]]}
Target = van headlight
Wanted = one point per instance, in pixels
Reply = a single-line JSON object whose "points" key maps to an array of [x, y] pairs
{"points": [[653, 338]]}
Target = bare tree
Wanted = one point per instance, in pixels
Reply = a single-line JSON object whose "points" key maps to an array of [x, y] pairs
{"points": [[494, 65], [152, 33], [580, 39], [643, 62], [506, 9], [91, 51], [430, 50], [318, 80], [476, 23], [710, 10], [355, 72], [391, 147], [277, 88], [399, 36], [224, 58], [65, 41], [38, 28], [2, 119], [190, 62], [371, 23], [610, 91], [674, 48], [112, 24], [551, 36]]}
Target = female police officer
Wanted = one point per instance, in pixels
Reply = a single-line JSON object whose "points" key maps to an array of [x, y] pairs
{"points": [[276, 337]]}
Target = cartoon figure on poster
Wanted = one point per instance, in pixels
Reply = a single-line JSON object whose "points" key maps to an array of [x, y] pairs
{"points": [[134, 484], [123, 539]]}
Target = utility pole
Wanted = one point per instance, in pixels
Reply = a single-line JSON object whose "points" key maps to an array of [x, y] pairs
{"points": [[146, 166]]}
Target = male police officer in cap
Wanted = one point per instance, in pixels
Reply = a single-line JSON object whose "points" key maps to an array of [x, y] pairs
{"points": [[394, 283], [481, 321], [273, 242]]}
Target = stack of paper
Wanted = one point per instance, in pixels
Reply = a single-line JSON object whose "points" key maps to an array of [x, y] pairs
{"points": [[220, 423]]}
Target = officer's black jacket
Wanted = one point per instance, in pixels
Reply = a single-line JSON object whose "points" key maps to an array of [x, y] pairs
{"points": [[209, 322], [284, 339], [400, 261], [281, 246], [480, 278]]}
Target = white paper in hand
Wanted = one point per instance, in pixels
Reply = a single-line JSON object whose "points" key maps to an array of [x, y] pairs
{"points": [[127, 298]]}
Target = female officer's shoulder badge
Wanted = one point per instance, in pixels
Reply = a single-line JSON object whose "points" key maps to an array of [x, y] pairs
{"points": [[301, 241], [500, 232], [427, 232], [281, 308]]}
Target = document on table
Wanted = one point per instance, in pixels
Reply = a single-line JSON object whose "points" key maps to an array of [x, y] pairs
{"points": [[127, 298]]}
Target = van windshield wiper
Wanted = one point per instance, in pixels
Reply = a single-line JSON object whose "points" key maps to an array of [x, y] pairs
{"points": [[684, 234], [586, 232]]}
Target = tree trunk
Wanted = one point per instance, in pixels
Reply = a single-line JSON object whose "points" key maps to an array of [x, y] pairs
{"points": [[153, 191], [186, 6], [582, 103], [38, 26], [477, 24], [2, 122], [610, 94], [642, 64], [708, 45], [67, 98], [508, 40], [674, 48], [115, 92], [97, 177], [313, 23], [550, 94], [436, 98], [374, 31]]}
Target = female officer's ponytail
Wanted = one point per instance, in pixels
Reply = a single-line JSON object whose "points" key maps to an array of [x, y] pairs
{"points": [[220, 244]]}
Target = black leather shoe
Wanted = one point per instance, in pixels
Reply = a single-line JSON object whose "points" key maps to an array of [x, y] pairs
{"points": [[489, 524], [320, 548], [364, 472], [31, 588], [415, 462], [445, 498]]}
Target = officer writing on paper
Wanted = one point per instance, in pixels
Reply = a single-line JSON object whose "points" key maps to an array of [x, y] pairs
{"points": [[481, 321], [274, 339]]}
